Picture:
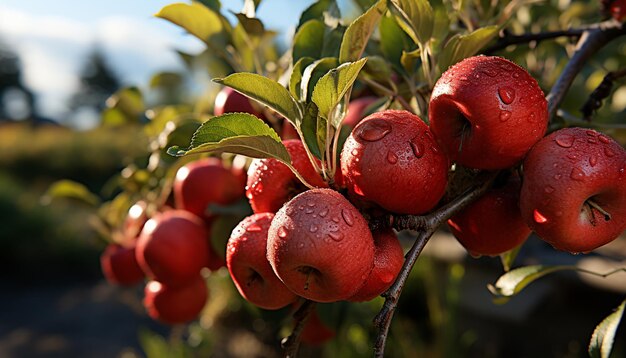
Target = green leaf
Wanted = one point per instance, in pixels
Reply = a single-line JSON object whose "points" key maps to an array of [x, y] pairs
{"points": [[512, 282], [603, 336], [128, 100], [69, 189], [308, 126], [378, 69], [312, 73], [265, 91], [393, 41], [296, 76], [410, 60], [415, 17], [332, 41], [309, 40], [212, 4], [316, 11], [199, 20], [359, 31], [252, 25], [237, 133], [463, 46], [508, 257], [332, 87]]}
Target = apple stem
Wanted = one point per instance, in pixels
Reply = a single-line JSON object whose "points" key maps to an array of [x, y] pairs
{"points": [[291, 343], [426, 225], [597, 206]]}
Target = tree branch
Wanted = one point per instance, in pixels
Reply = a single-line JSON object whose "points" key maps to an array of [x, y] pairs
{"points": [[426, 225], [594, 102], [291, 344], [508, 40], [590, 42]]}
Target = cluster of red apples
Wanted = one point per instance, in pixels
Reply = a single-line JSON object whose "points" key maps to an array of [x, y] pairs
{"points": [[485, 114]]}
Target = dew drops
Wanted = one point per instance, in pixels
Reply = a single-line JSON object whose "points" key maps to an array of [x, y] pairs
{"points": [[258, 188], [490, 72], [374, 130], [504, 116], [323, 213], [434, 149], [577, 174], [593, 160], [386, 277], [507, 94], [604, 139], [548, 189], [310, 204], [609, 152], [282, 232], [335, 219], [516, 75], [313, 228], [592, 140], [354, 152], [539, 218], [392, 158], [336, 236], [309, 211], [463, 78], [557, 176], [301, 245], [417, 147], [358, 190], [254, 228], [347, 217], [532, 117], [564, 140]]}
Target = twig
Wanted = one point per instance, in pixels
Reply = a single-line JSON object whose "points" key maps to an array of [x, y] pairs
{"points": [[426, 225], [590, 42], [594, 102], [291, 343], [508, 40]]}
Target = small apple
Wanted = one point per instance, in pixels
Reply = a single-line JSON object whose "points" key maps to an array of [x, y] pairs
{"points": [[388, 261], [486, 112], [492, 224], [574, 189], [174, 305], [315, 332], [391, 159], [203, 182], [173, 247], [614, 8], [271, 183], [320, 246], [248, 266], [228, 101], [119, 265]]}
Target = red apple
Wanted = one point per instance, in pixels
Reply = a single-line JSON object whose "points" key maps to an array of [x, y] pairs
{"points": [[248, 266], [120, 266], [203, 182], [320, 246], [388, 261], [486, 112], [315, 332], [173, 247], [135, 219], [228, 101], [492, 224], [574, 189], [356, 110], [174, 305], [391, 159], [271, 183]]}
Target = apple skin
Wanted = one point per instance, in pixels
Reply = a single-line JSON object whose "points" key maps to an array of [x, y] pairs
{"points": [[394, 149], [388, 261], [320, 246], [315, 332], [174, 305], [563, 171], [228, 101], [119, 265], [248, 266], [173, 247], [486, 112], [271, 183], [356, 110], [203, 182], [135, 219], [614, 8], [492, 224]]}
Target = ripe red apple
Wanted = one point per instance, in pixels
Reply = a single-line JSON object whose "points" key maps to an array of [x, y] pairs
{"points": [[120, 266], [391, 159], [315, 332], [615, 9], [486, 112], [388, 261], [173, 305], [492, 224], [228, 101], [574, 189], [271, 183], [135, 219], [356, 110], [320, 246], [173, 248], [248, 266], [203, 182]]}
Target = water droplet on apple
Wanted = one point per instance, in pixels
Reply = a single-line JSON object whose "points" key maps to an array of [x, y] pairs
{"points": [[489, 72], [386, 277], [604, 139], [590, 133], [301, 245], [516, 75], [347, 217], [593, 160], [358, 190], [592, 140], [417, 147], [549, 189], [354, 152], [254, 228], [336, 236], [609, 152], [309, 211], [434, 149], [507, 94], [374, 130], [557, 176], [324, 212], [335, 219], [282, 232], [565, 140], [504, 116], [463, 78], [310, 203], [577, 174], [532, 117], [539, 218], [392, 158]]}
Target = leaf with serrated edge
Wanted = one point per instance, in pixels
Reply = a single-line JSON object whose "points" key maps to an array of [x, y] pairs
{"points": [[358, 33], [199, 20], [512, 282], [603, 336], [309, 40], [238, 133], [332, 87], [415, 17], [265, 91], [312, 73]]}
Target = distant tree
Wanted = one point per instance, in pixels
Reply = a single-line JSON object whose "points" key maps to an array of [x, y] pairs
{"points": [[97, 82], [17, 102]]}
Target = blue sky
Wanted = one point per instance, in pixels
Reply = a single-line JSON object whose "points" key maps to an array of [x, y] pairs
{"points": [[52, 39]]}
